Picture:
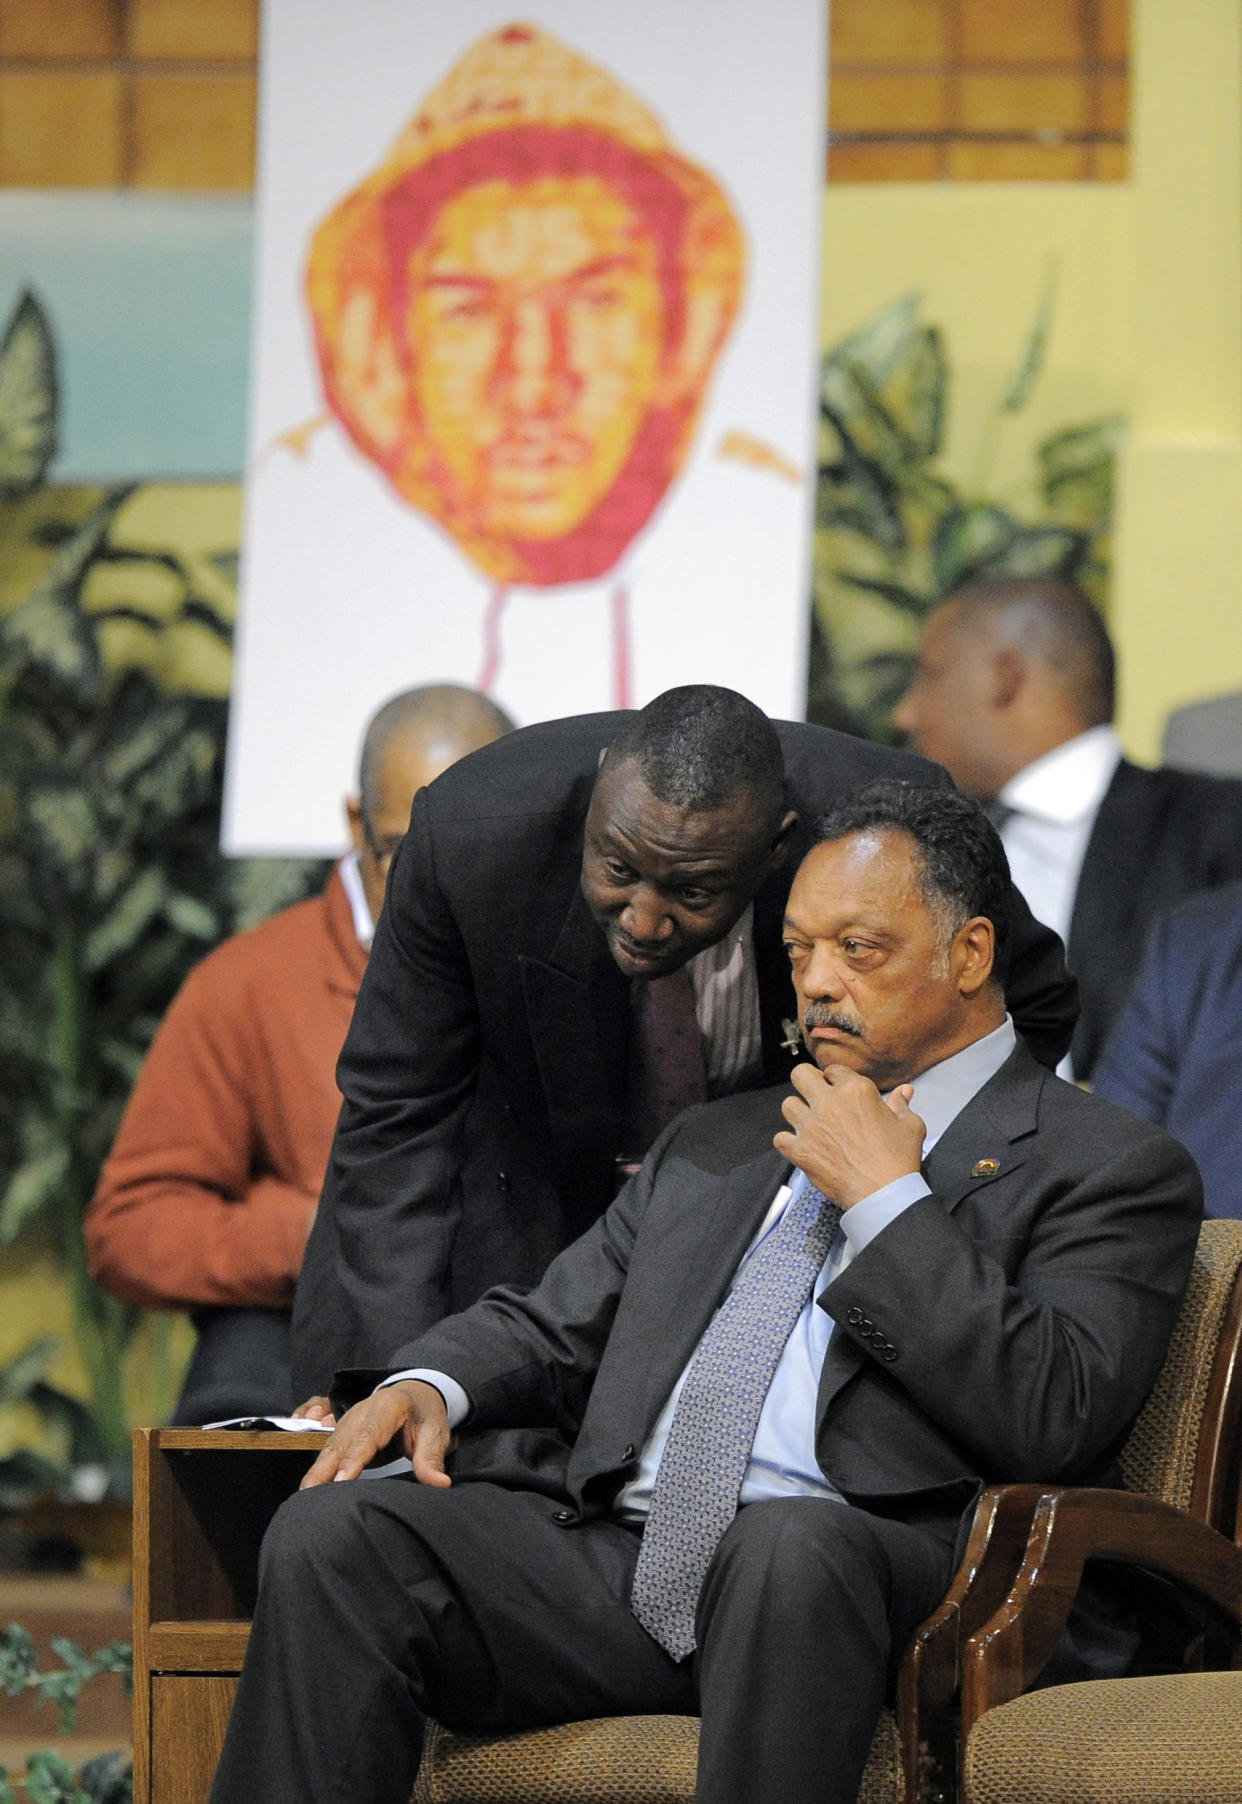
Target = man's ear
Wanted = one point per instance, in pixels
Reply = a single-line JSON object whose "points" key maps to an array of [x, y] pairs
{"points": [[1008, 676], [778, 851], [974, 954], [353, 814]]}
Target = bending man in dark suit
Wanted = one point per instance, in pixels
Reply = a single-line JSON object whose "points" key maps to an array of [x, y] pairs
{"points": [[994, 1305], [492, 1074], [1014, 694]]}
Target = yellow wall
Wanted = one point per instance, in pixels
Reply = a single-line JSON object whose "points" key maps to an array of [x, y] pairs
{"points": [[1148, 322], [980, 255], [1180, 541]]}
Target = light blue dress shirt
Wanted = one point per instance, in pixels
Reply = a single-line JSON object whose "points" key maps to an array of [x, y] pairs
{"points": [[782, 1460]]}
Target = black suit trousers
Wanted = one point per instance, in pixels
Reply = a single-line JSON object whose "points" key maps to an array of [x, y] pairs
{"points": [[383, 1601]]}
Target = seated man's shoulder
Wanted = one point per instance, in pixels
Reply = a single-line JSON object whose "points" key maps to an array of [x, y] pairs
{"points": [[1205, 924], [1198, 788], [1090, 1130], [273, 951]]}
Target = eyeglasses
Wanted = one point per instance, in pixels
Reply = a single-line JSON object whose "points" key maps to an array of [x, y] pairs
{"points": [[381, 850]]}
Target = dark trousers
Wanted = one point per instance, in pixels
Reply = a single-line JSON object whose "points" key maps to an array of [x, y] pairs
{"points": [[381, 1603]]}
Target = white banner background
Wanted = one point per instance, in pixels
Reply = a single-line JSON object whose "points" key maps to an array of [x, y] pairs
{"points": [[349, 593]]}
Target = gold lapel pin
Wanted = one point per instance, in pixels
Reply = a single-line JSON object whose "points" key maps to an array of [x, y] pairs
{"points": [[985, 1168]]}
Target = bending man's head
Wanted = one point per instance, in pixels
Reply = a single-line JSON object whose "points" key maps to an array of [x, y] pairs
{"points": [[1007, 671], [898, 931], [406, 744], [517, 315], [687, 820]]}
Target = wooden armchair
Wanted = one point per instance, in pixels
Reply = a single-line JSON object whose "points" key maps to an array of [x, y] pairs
{"points": [[1003, 1613], [1165, 1739]]}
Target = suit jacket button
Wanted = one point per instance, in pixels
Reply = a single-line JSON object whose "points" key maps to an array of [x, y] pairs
{"points": [[855, 1316], [877, 1339], [889, 1353], [866, 1326], [563, 1516]]}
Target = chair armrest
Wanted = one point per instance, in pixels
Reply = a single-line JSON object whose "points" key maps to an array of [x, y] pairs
{"points": [[928, 1678], [1002, 1658]]}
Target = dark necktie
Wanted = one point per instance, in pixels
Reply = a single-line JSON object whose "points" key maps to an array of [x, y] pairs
{"points": [[713, 1426], [667, 1072]]}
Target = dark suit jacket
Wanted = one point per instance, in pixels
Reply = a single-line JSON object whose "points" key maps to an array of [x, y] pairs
{"points": [[484, 1074], [1173, 1056], [1159, 835], [1006, 1328]]}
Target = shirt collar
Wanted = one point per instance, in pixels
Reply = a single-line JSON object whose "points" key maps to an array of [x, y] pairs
{"points": [[715, 957], [1069, 782], [351, 878], [942, 1091]]}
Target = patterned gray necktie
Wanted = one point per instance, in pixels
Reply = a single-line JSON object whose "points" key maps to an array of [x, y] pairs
{"points": [[713, 1426]]}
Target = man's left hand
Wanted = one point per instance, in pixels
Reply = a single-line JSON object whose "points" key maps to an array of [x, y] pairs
{"points": [[848, 1139]]}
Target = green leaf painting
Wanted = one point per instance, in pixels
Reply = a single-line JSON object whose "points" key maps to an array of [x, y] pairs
{"points": [[113, 881], [28, 398], [893, 536]]}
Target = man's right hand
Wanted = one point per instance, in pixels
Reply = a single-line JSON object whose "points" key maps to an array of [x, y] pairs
{"points": [[411, 1409]]}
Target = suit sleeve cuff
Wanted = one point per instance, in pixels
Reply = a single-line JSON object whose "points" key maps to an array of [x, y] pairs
{"points": [[865, 1220], [456, 1401]]}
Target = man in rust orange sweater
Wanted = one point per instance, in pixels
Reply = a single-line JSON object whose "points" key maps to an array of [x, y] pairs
{"points": [[208, 1195]]}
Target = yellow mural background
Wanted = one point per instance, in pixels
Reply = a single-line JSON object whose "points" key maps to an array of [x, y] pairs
{"points": [[172, 545]]}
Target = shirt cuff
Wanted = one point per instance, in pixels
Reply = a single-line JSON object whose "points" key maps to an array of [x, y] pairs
{"points": [[863, 1222], [456, 1401]]}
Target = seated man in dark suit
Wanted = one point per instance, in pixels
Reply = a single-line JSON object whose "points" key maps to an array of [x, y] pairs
{"points": [[1014, 694], [553, 924], [1174, 1054], [784, 1363]]}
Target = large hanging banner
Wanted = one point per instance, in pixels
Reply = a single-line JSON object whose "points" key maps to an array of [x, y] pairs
{"points": [[534, 391]]}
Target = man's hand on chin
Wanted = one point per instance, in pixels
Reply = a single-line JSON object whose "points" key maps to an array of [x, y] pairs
{"points": [[411, 1409], [848, 1139]]}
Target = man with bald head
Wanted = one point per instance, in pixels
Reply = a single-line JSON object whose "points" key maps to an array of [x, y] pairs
{"points": [[208, 1195], [1014, 693], [582, 936]]}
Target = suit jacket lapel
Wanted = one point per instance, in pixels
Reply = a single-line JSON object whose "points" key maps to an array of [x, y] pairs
{"points": [[1107, 925], [704, 1263], [981, 1144], [1123, 815], [985, 1141], [577, 1008]]}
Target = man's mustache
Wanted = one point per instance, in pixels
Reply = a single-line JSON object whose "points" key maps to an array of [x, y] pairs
{"points": [[820, 1014]]}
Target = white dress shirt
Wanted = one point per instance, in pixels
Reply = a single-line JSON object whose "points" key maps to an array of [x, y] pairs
{"points": [[1055, 801], [726, 1005], [351, 880]]}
